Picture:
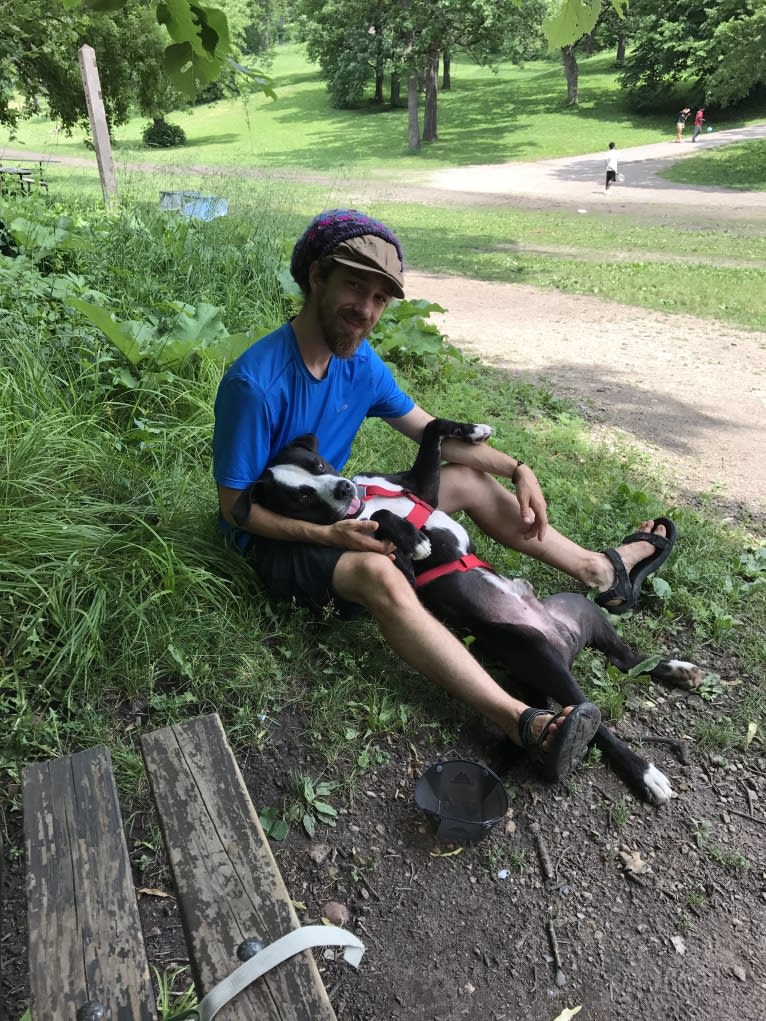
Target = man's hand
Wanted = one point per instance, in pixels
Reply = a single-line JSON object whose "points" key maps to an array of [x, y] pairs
{"points": [[354, 534], [532, 503]]}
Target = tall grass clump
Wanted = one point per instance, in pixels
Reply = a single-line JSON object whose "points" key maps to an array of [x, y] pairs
{"points": [[115, 588]]}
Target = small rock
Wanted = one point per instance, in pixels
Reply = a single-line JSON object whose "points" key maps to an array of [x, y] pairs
{"points": [[336, 912], [739, 973], [679, 944], [319, 852]]}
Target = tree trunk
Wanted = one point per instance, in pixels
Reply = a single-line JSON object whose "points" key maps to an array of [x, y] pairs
{"points": [[446, 71], [413, 122], [430, 107], [620, 56], [572, 71], [396, 89], [378, 86]]}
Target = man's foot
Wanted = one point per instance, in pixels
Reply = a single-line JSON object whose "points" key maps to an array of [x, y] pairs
{"points": [[558, 743], [627, 567]]}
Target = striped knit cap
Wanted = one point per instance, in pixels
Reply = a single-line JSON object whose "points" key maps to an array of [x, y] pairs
{"points": [[330, 229]]}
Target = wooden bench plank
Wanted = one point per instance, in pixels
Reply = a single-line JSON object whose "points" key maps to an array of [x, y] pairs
{"points": [[228, 884], [85, 939]]}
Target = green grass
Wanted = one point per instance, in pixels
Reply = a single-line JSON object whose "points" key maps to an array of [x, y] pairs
{"points": [[513, 114], [741, 166]]}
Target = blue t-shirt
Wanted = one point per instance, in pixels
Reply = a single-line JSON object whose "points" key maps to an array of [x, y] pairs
{"points": [[268, 397]]}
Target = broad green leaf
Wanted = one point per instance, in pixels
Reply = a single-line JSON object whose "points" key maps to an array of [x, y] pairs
{"points": [[322, 808], [121, 334], [309, 824], [569, 21], [645, 666], [661, 588]]}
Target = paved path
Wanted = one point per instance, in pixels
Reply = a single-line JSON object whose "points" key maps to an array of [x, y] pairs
{"points": [[581, 178]]}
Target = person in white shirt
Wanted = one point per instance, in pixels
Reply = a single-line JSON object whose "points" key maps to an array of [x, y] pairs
{"points": [[611, 166]]}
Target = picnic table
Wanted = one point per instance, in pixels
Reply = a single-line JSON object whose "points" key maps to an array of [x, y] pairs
{"points": [[24, 174]]}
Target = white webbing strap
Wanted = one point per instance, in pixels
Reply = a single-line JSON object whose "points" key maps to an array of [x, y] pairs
{"points": [[277, 952]]}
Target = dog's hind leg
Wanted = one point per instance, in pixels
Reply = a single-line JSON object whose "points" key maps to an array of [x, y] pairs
{"points": [[586, 625], [529, 656]]}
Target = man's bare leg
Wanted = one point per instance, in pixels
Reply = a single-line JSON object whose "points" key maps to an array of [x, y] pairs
{"points": [[496, 511], [422, 641]]}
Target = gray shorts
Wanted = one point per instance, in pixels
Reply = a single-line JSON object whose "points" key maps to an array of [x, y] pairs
{"points": [[301, 571]]}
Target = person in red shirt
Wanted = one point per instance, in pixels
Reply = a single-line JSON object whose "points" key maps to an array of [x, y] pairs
{"points": [[699, 119]]}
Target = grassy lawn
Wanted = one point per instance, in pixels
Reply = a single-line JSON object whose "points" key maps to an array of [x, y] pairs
{"points": [[741, 166], [513, 114]]}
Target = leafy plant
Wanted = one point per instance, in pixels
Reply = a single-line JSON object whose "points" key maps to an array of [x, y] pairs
{"points": [[310, 808], [403, 335], [164, 134]]}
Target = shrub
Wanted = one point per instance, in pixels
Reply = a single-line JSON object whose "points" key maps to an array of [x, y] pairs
{"points": [[163, 134]]}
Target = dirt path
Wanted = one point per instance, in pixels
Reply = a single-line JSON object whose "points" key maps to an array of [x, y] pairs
{"points": [[691, 391]]}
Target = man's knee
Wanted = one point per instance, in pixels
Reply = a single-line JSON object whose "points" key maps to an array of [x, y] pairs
{"points": [[372, 580]]}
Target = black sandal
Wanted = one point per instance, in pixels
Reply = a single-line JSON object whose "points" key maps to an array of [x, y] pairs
{"points": [[574, 735], [627, 587]]}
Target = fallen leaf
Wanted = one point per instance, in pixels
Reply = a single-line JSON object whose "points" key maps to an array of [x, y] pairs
{"points": [[752, 730], [634, 863], [299, 905], [567, 1013], [152, 891]]}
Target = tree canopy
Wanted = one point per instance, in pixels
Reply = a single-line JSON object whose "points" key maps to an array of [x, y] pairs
{"points": [[718, 48]]}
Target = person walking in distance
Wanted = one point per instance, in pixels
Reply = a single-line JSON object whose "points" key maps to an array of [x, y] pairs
{"points": [[699, 120], [681, 122], [611, 166]]}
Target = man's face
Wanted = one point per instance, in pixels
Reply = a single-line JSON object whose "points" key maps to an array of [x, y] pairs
{"points": [[349, 302]]}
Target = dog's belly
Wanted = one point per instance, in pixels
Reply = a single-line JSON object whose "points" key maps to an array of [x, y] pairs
{"points": [[495, 599]]}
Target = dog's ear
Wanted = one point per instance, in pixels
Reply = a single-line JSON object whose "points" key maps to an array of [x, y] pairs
{"points": [[308, 442], [241, 507]]}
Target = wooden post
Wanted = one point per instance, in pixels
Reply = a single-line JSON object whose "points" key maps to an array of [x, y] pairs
{"points": [[98, 125]]}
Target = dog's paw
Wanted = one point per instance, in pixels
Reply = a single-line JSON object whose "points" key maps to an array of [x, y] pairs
{"points": [[422, 548], [479, 433], [657, 789], [680, 673]]}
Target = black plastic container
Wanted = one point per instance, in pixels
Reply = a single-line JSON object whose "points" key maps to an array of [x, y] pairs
{"points": [[464, 798]]}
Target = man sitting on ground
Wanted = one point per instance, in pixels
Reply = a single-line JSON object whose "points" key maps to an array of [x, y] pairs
{"points": [[318, 373]]}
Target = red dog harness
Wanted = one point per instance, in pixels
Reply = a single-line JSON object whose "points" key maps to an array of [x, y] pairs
{"points": [[420, 513], [468, 562]]}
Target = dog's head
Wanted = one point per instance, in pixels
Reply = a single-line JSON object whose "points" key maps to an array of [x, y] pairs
{"points": [[300, 483]]}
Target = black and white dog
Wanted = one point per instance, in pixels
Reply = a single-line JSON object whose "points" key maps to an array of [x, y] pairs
{"points": [[535, 640]]}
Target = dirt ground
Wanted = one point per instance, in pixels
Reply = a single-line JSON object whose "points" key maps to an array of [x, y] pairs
{"points": [[657, 913]]}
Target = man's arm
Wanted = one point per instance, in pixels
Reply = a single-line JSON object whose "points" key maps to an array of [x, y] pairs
{"points": [[475, 455], [482, 457], [350, 533]]}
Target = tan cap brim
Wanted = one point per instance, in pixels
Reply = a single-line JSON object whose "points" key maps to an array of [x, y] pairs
{"points": [[374, 255]]}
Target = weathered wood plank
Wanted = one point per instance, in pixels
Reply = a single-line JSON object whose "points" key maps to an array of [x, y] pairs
{"points": [[85, 939], [228, 884]]}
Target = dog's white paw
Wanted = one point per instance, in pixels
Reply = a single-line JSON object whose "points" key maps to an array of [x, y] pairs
{"points": [[683, 674], [422, 550], [657, 786], [480, 433]]}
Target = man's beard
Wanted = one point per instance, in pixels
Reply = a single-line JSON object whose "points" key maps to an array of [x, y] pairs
{"points": [[342, 344]]}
